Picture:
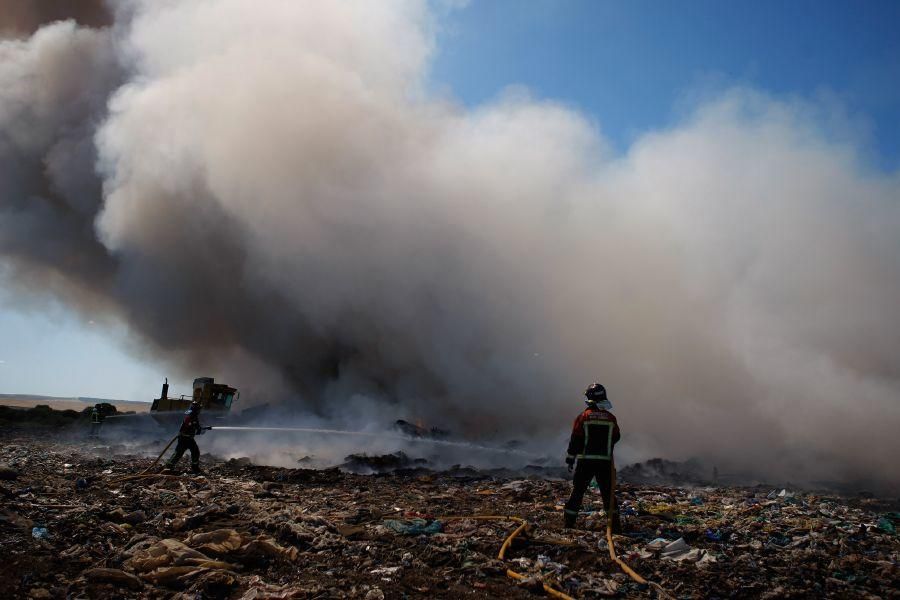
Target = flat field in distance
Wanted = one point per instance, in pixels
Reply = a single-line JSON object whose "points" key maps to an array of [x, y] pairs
{"points": [[79, 404]]}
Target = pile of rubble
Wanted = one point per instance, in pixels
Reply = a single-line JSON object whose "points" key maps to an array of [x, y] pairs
{"points": [[72, 527]]}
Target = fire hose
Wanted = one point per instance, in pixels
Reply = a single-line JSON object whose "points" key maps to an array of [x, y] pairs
{"points": [[501, 555], [612, 548], [145, 473], [523, 525]]}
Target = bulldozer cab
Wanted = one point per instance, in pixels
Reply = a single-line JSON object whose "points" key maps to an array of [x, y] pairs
{"points": [[212, 396]]}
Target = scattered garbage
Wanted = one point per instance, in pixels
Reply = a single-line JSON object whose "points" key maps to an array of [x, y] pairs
{"points": [[374, 594], [114, 576], [414, 526], [386, 463], [886, 525], [657, 544], [132, 518], [675, 550], [254, 532], [7, 473]]}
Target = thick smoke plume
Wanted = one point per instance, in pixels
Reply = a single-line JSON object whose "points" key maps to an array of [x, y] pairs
{"points": [[275, 196], [24, 17]]}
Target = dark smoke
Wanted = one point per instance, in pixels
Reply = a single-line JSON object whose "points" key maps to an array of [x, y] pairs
{"points": [[24, 17], [53, 93], [277, 198]]}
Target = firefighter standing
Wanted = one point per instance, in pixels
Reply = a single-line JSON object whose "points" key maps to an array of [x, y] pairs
{"points": [[96, 421], [189, 428], [594, 434]]}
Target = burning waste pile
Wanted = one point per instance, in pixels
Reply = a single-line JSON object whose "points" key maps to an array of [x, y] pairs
{"points": [[76, 523], [245, 192]]}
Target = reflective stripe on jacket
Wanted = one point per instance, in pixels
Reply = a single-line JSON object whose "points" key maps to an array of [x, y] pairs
{"points": [[594, 434]]}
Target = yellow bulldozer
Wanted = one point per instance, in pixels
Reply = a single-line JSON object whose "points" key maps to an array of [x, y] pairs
{"points": [[215, 400], [214, 397]]}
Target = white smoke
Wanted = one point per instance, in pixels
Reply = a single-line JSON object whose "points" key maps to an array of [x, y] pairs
{"points": [[284, 196]]}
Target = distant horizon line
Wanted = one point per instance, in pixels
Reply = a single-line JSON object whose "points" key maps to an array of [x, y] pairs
{"points": [[85, 399]]}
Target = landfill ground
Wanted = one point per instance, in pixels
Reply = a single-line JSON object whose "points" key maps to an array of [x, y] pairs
{"points": [[71, 530]]}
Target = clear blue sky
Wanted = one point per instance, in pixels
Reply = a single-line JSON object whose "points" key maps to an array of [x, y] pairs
{"points": [[49, 351], [631, 65]]}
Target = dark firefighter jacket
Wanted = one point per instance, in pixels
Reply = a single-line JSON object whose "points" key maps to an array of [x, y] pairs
{"points": [[594, 433], [191, 424]]}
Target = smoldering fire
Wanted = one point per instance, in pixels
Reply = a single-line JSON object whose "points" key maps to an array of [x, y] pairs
{"points": [[256, 196]]}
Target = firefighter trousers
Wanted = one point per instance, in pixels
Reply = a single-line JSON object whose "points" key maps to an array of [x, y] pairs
{"points": [[585, 471], [185, 443]]}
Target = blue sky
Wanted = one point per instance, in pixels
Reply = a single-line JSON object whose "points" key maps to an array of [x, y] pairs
{"points": [[52, 352], [632, 66]]}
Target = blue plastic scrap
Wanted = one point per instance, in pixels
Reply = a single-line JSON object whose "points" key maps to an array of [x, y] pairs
{"points": [[414, 526]]}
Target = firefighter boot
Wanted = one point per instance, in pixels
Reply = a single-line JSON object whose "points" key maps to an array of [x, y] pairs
{"points": [[616, 522]]}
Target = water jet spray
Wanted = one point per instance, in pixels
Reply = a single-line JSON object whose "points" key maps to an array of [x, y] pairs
{"points": [[391, 436]]}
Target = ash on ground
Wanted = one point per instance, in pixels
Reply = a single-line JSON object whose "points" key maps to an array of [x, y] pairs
{"points": [[70, 529]]}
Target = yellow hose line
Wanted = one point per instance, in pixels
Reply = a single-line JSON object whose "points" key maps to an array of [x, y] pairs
{"points": [[172, 441], [555, 593], [518, 576], [609, 539], [144, 472], [502, 554], [619, 561], [523, 524]]}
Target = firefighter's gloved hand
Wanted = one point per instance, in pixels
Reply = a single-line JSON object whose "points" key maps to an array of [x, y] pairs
{"points": [[570, 462]]}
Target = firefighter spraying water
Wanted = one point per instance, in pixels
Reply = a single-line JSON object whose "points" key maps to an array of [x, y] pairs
{"points": [[215, 402], [190, 427]]}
